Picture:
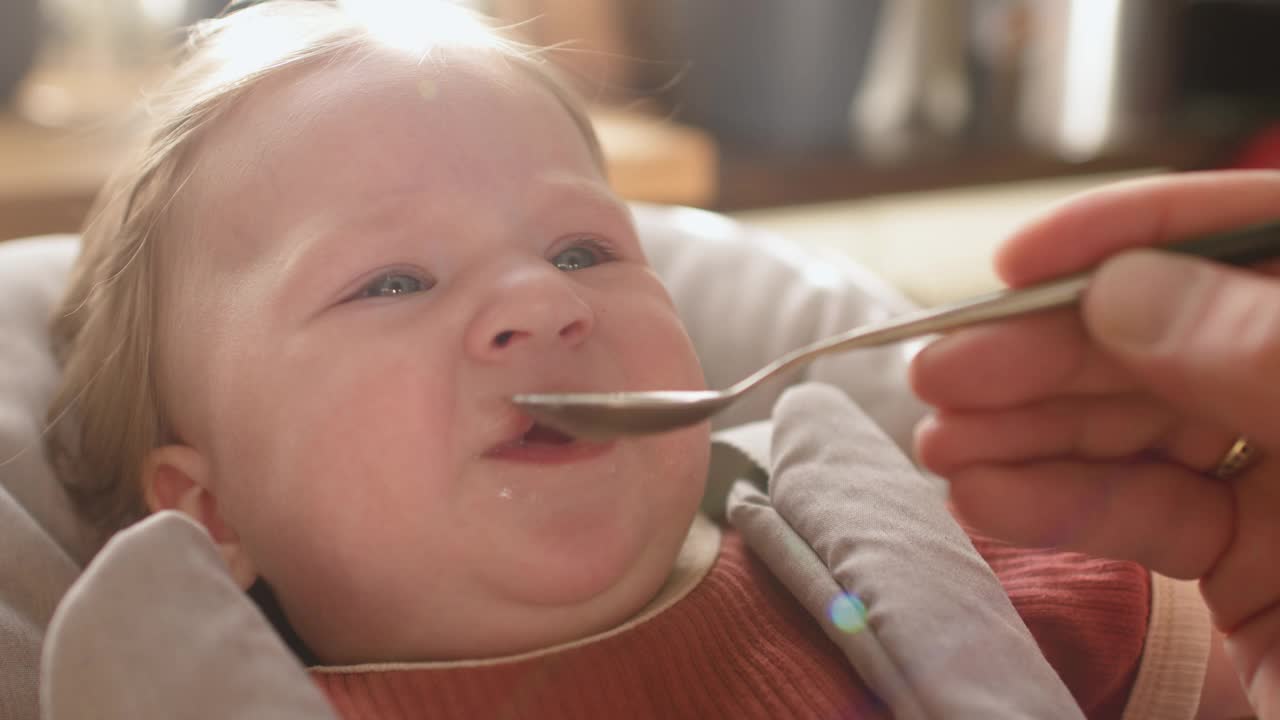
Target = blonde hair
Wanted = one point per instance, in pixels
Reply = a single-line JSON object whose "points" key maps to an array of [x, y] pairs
{"points": [[109, 411]]}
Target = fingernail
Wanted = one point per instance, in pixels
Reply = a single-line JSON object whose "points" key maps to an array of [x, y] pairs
{"points": [[1135, 300]]}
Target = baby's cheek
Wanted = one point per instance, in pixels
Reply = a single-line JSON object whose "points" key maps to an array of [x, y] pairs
{"points": [[323, 471], [679, 465], [318, 601], [661, 356], [351, 596]]}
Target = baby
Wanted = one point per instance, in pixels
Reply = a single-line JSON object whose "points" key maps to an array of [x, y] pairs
{"points": [[365, 255], [357, 231]]}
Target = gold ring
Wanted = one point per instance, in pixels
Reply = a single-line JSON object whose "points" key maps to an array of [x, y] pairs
{"points": [[1235, 460]]}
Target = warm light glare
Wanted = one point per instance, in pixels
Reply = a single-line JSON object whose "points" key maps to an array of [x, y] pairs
{"points": [[164, 13], [411, 27], [1088, 97], [418, 27]]}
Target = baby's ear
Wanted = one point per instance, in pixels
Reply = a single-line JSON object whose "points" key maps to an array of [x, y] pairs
{"points": [[176, 477]]}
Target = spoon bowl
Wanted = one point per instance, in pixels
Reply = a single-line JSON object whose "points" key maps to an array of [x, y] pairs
{"points": [[600, 416]]}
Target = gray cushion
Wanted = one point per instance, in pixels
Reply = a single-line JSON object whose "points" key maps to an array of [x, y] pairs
{"points": [[41, 544]]}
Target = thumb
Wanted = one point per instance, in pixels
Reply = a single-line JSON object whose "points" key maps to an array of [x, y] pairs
{"points": [[1205, 337]]}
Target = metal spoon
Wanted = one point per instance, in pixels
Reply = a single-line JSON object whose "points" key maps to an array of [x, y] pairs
{"points": [[600, 416]]}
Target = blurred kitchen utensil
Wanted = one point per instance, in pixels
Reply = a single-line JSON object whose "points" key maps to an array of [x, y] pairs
{"points": [[770, 73], [19, 40]]}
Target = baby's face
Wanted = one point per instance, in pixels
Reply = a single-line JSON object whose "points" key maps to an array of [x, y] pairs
{"points": [[382, 254]]}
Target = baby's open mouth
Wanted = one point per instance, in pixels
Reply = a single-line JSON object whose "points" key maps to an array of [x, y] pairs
{"points": [[543, 435], [543, 444]]}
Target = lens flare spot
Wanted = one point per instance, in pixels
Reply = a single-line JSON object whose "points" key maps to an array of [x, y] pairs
{"points": [[848, 613]]}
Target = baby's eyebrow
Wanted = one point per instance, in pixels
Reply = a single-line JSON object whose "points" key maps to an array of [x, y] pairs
{"points": [[558, 191], [317, 248]]}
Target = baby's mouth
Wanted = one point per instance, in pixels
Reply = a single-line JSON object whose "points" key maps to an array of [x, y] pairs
{"points": [[544, 435], [543, 444]]}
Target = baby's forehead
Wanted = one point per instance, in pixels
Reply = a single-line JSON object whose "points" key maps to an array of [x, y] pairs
{"points": [[348, 97], [339, 128]]}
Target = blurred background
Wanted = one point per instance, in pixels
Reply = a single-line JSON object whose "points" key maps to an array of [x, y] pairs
{"points": [[821, 99], [757, 107]]}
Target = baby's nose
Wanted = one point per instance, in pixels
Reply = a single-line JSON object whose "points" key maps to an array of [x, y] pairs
{"points": [[529, 308]]}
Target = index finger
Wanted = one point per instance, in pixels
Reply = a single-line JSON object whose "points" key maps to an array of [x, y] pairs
{"points": [[1085, 229]]}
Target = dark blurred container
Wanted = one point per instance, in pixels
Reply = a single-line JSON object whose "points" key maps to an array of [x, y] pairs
{"points": [[19, 38], [778, 73], [1207, 67], [1227, 79], [1099, 74], [1229, 54]]}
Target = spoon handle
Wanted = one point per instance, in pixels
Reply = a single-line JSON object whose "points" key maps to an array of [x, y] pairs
{"points": [[1238, 247]]}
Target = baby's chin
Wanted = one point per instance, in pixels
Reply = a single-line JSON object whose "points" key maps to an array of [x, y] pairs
{"points": [[490, 622], [528, 578], [493, 630], [605, 536]]}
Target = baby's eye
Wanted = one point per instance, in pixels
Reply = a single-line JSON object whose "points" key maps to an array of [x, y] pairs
{"points": [[393, 284], [584, 254]]}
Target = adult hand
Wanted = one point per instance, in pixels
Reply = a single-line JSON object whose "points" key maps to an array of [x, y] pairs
{"points": [[1099, 429]]}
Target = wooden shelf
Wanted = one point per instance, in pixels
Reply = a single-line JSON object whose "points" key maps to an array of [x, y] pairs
{"points": [[750, 178]]}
